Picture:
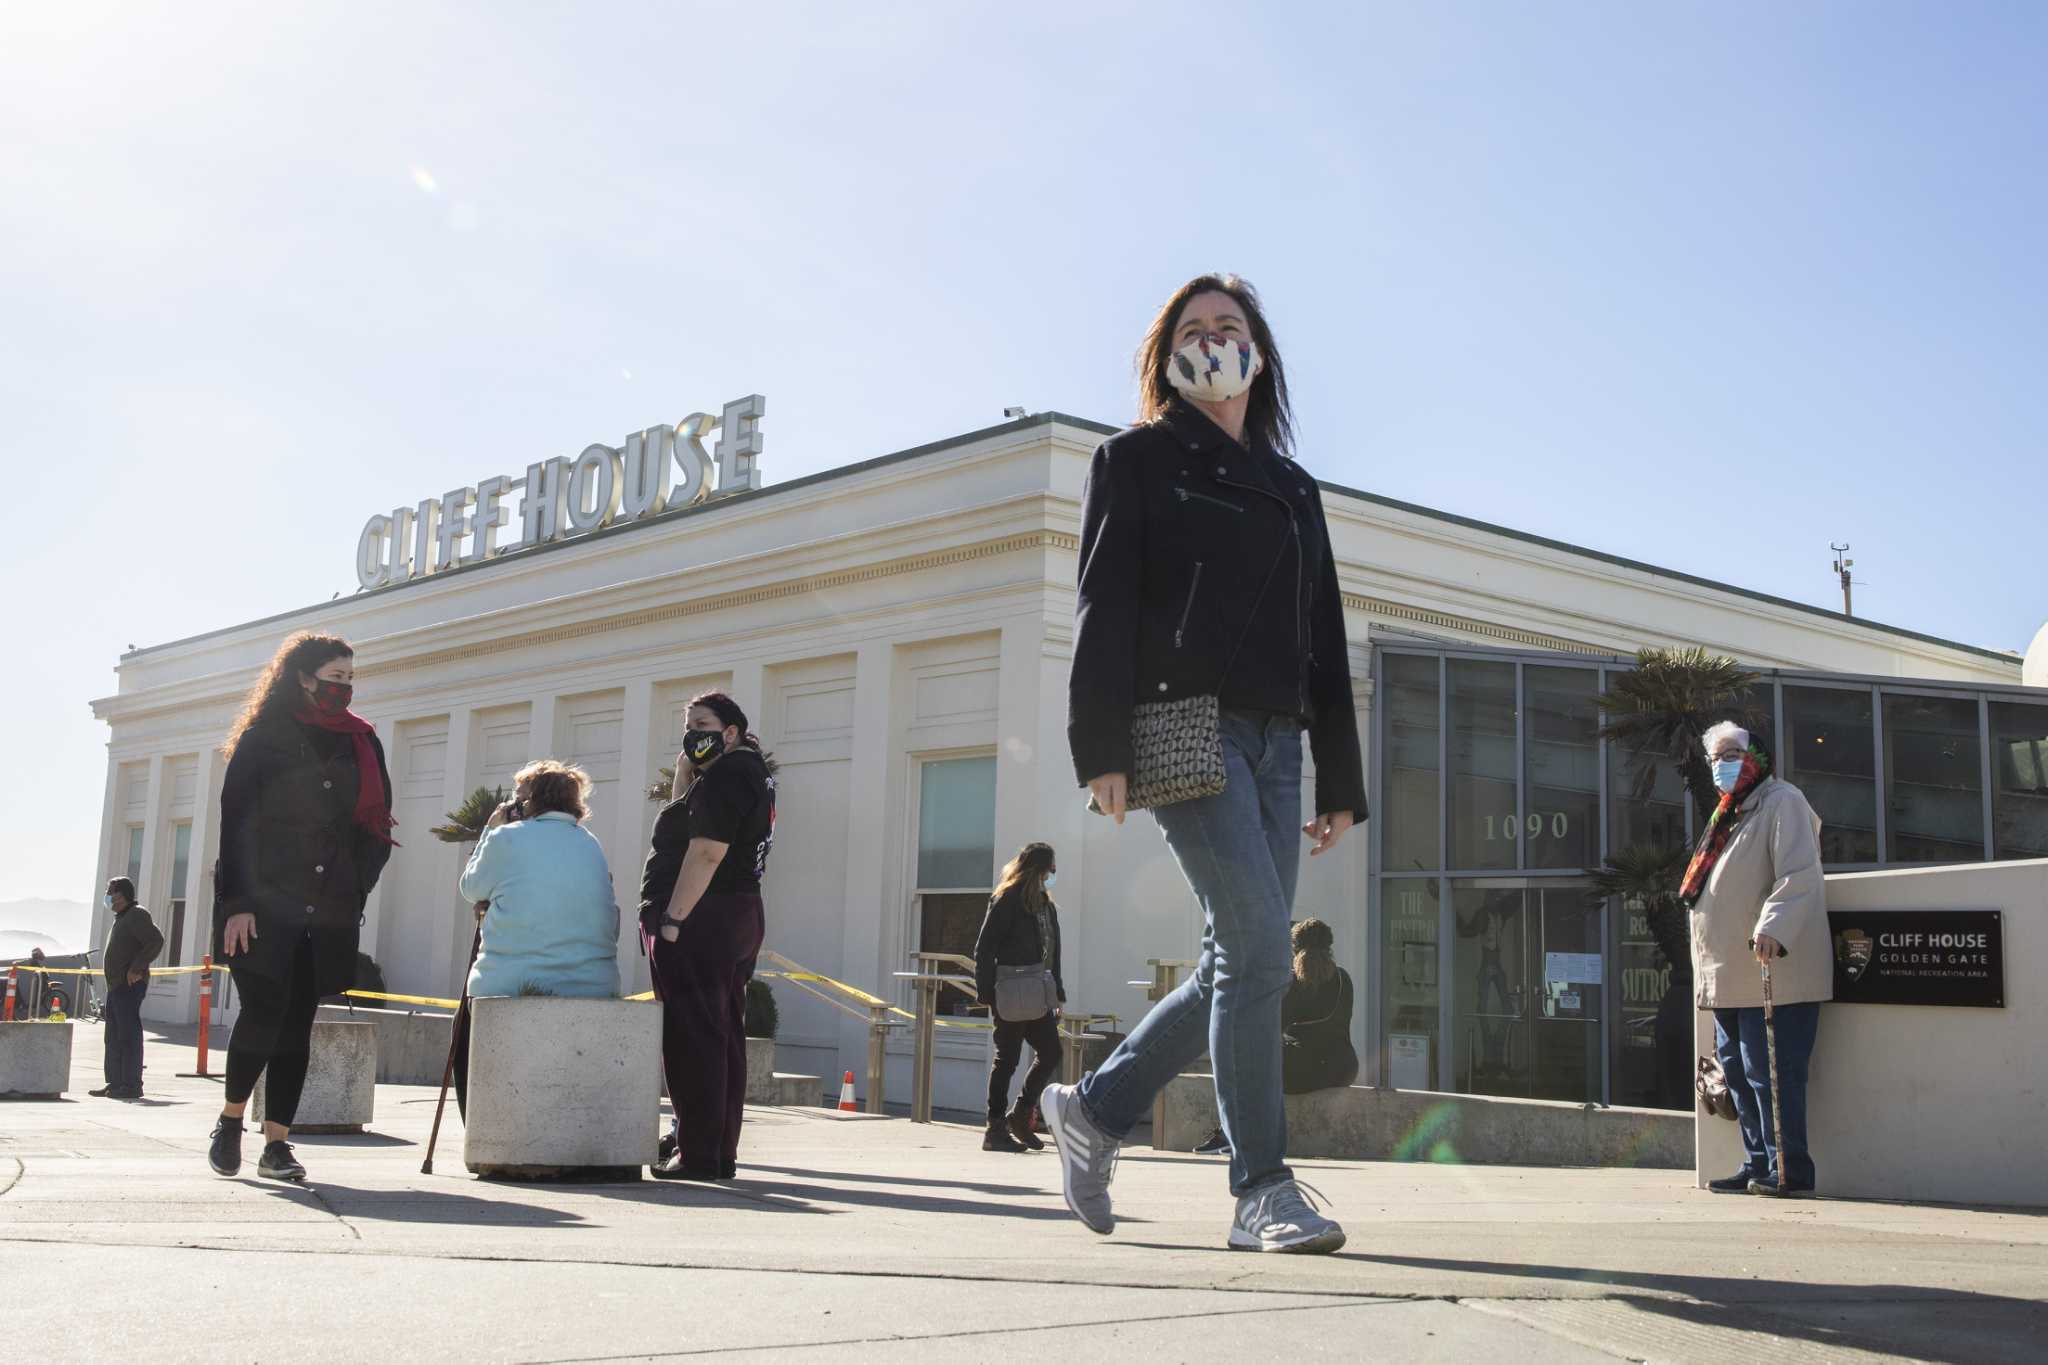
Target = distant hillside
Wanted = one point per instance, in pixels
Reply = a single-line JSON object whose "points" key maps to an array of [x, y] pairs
{"points": [[14, 944], [59, 926]]}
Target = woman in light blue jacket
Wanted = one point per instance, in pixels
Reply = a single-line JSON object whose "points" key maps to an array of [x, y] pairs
{"points": [[552, 923]]}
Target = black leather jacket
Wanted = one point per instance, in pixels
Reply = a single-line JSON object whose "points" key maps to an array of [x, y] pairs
{"points": [[1206, 568]]}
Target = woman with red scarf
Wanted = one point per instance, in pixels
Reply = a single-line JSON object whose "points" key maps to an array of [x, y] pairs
{"points": [[305, 821], [1756, 895]]}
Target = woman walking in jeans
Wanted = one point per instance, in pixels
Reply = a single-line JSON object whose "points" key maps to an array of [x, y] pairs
{"points": [[1206, 570]]}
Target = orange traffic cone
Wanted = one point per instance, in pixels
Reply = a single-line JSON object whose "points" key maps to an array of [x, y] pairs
{"points": [[846, 1103]]}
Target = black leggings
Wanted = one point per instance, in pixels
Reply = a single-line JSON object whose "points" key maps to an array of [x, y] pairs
{"points": [[274, 1029], [1043, 1033]]}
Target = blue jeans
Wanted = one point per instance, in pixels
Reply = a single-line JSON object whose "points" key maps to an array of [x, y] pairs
{"points": [[1240, 851], [1746, 1061]]}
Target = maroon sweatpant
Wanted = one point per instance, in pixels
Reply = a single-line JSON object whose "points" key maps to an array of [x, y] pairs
{"points": [[702, 981]]}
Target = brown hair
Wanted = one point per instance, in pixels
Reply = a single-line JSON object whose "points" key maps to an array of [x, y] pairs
{"points": [[553, 785], [1027, 869], [1312, 961], [1268, 417], [277, 692]]}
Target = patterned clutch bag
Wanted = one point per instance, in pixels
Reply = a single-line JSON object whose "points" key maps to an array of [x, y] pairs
{"points": [[1176, 753]]}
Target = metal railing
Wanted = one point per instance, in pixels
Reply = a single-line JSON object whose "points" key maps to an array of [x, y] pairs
{"points": [[1165, 981]]}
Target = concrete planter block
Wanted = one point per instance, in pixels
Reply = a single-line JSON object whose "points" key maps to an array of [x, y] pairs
{"points": [[761, 1071], [793, 1091], [563, 1088], [35, 1060], [412, 1049], [1362, 1124], [341, 1083]]}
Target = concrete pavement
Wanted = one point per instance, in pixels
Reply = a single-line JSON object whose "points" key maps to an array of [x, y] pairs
{"points": [[867, 1238]]}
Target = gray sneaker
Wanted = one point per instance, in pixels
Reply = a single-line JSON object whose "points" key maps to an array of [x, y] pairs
{"points": [[1282, 1217], [1087, 1156]]}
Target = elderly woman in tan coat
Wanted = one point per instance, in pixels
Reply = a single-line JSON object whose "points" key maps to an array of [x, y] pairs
{"points": [[1755, 891]]}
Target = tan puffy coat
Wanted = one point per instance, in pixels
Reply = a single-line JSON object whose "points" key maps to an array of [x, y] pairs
{"points": [[1768, 881]]}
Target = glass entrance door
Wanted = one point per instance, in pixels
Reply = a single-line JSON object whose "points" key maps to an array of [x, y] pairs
{"points": [[1526, 989]]}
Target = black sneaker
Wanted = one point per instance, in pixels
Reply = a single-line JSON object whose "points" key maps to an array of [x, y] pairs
{"points": [[104, 1092], [997, 1139], [278, 1163], [225, 1156], [1731, 1184], [665, 1151], [674, 1169], [1214, 1145], [1770, 1190]]}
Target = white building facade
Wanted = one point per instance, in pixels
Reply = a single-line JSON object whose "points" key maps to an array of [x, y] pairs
{"points": [[899, 632]]}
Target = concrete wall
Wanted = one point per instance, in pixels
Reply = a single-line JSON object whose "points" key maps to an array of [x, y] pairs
{"points": [[1920, 1102], [1357, 1123]]}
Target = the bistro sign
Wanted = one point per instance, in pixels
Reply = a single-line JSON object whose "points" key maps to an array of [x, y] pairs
{"points": [[562, 497]]}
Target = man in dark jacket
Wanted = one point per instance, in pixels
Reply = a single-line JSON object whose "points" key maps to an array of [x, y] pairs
{"points": [[133, 941]]}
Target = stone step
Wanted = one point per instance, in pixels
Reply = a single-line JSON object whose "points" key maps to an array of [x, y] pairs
{"points": [[797, 1091]]}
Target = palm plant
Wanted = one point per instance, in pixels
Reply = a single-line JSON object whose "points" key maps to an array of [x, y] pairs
{"points": [[663, 789], [466, 822], [1662, 709]]}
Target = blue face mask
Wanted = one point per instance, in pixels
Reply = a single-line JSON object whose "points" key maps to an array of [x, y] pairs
{"points": [[1050, 878], [1727, 772], [107, 901]]}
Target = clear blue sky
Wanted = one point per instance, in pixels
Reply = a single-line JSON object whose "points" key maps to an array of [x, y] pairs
{"points": [[1704, 285]]}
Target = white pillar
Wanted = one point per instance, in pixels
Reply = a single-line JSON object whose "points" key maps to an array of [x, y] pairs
{"points": [[113, 845], [636, 744], [206, 777], [540, 728], [148, 882], [451, 944], [744, 687], [867, 902]]}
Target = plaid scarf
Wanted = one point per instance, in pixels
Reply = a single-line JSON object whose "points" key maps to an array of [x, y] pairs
{"points": [[1756, 766]]}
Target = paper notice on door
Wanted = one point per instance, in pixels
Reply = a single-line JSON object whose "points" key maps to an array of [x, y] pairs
{"points": [[1580, 968], [1408, 1061]]}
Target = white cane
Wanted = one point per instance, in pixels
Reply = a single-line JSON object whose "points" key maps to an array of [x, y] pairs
{"points": [[1771, 1045]]}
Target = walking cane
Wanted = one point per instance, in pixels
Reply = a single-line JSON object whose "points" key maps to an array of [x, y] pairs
{"points": [[454, 1034], [1771, 1045]]}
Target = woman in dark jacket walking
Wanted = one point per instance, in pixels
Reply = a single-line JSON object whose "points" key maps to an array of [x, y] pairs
{"points": [[1021, 929], [305, 821], [1206, 578]]}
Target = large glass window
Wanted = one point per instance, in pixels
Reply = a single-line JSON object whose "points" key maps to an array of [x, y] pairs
{"points": [[1933, 780], [134, 866], [956, 852], [181, 871], [1652, 1042], [1645, 800], [1408, 982], [1526, 989], [2019, 780], [1829, 754], [1485, 823], [1561, 826], [1411, 791]]}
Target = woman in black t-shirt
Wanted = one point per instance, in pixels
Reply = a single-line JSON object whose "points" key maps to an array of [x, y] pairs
{"points": [[700, 908]]}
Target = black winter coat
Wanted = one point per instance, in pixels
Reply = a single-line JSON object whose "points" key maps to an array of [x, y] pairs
{"points": [[1009, 938], [1193, 548], [291, 852]]}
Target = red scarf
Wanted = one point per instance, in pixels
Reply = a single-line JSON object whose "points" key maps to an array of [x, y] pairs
{"points": [[1721, 826], [373, 807]]}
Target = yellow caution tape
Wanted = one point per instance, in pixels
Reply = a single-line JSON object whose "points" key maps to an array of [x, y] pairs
{"points": [[406, 999]]}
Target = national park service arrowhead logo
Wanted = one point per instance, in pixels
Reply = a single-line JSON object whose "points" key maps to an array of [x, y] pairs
{"points": [[1854, 949]]}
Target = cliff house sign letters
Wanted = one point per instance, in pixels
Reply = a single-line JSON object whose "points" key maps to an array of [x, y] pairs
{"points": [[563, 497]]}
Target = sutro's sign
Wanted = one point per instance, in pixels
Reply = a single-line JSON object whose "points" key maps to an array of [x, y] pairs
{"points": [[1918, 957], [564, 497]]}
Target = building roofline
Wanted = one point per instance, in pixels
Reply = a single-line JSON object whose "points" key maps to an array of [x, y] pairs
{"points": [[1036, 419], [1677, 575], [1055, 418]]}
